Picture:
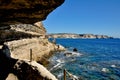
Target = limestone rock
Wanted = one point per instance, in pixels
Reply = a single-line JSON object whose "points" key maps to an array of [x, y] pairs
{"points": [[20, 49], [22, 31], [26, 70], [23, 69], [26, 11]]}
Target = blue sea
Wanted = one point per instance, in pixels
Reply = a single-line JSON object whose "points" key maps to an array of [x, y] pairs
{"points": [[99, 59]]}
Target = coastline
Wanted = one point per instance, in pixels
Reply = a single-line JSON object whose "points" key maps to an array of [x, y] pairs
{"points": [[93, 62]]}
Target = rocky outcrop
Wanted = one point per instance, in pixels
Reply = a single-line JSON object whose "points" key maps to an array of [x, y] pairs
{"points": [[26, 11], [22, 31], [69, 35], [22, 69], [20, 39], [20, 49], [26, 70]]}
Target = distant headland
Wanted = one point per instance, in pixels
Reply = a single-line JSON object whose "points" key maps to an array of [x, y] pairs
{"points": [[73, 35]]}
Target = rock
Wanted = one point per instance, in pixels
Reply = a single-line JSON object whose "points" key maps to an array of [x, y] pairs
{"points": [[22, 31], [40, 26], [23, 69], [29, 28], [26, 70], [20, 49], [6, 62], [12, 14], [26, 11], [11, 76]]}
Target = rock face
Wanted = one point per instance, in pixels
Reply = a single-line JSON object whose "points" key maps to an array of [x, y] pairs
{"points": [[20, 49], [22, 31], [26, 70], [26, 11], [18, 28], [69, 35], [23, 69]]}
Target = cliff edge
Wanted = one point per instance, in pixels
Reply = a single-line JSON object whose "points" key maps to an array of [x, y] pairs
{"points": [[23, 33]]}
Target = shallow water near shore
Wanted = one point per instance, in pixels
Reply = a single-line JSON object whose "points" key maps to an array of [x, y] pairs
{"points": [[100, 59]]}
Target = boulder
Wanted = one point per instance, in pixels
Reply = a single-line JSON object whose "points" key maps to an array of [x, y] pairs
{"points": [[26, 70]]}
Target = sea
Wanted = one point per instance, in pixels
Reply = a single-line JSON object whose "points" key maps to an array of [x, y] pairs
{"points": [[95, 59]]}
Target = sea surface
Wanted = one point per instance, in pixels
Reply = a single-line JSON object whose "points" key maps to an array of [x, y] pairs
{"points": [[96, 59]]}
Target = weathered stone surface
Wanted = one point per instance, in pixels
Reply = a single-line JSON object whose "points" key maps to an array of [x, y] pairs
{"points": [[26, 70], [26, 11], [23, 69], [22, 31]]}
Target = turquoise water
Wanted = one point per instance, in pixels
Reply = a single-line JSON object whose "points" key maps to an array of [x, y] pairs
{"points": [[100, 59]]}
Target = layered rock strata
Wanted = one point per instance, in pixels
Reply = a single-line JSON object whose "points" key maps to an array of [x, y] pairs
{"points": [[21, 38], [26, 11]]}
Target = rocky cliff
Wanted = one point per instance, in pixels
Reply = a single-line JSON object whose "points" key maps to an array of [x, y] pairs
{"points": [[22, 31], [21, 69], [69, 35], [23, 39]]}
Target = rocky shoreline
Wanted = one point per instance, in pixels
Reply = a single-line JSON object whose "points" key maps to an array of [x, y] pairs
{"points": [[82, 36]]}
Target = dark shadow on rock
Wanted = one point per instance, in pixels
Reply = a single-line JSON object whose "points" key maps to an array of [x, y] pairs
{"points": [[6, 62], [23, 69]]}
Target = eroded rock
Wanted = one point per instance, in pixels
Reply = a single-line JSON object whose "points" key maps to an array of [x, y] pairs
{"points": [[23, 69], [26, 11], [26, 70]]}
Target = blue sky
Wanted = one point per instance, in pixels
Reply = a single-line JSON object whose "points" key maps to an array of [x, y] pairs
{"points": [[85, 16]]}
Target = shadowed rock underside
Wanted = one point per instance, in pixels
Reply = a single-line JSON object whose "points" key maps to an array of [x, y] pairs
{"points": [[26, 11]]}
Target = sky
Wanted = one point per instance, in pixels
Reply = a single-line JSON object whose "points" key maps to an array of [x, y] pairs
{"points": [[85, 17]]}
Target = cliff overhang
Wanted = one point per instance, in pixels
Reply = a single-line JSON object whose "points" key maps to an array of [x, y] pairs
{"points": [[26, 11]]}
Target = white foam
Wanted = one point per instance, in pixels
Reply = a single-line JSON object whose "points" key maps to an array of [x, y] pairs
{"points": [[113, 66], [57, 65], [60, 75], [105, 70], [60, 60]]}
